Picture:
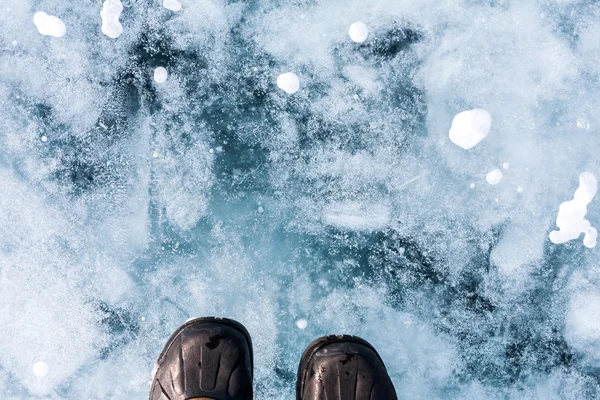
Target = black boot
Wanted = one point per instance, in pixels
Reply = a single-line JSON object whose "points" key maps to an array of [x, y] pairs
{"points": [[205, 357], [343, 368]]}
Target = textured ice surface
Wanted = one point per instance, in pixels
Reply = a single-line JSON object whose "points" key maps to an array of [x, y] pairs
{"points": [[127, 206]]}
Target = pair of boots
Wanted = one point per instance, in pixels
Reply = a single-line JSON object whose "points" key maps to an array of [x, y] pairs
{"points": [[211, 358]]}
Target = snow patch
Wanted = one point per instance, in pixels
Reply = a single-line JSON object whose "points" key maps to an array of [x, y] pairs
{"points": [[302, 323], [49, 25], [111, 11], [470, 127], [172, 5], [358, 32], [40, 369], [288, 82], [160, 75], [571, 220]]}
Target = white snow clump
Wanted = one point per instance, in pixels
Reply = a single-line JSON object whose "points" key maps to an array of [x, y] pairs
{"points": [[571, 220]]}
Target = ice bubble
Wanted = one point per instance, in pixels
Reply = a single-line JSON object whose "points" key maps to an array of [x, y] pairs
{"points": [[520, 189], [302, 323], [494, 177], [172, 5], [40, 369], [571, 220], [160, 75], [155, 154], [14, 43], [472, 186], [261, 210], [470, 127], [358, 32], [506, 165], [49, 25], [288, 82], [44, 139], [111, 11]]}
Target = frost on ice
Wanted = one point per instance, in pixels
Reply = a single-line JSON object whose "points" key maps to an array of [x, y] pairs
{"points": [[172, 5], [288, 82], [358, 32], [571, 220], [111, 11], [49, 25], [470, 127]]}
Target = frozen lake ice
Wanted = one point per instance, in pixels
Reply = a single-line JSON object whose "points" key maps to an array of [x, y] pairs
{"points": [[419, 173]]}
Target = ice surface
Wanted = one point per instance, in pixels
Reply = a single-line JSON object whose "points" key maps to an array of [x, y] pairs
{"points": [[111, 12], [571, 220], [49, 25], [128, 206]]}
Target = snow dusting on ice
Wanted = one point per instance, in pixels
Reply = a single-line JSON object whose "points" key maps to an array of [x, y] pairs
{"points": [[470, 127], [49, 25], [111, 12], [571, 220]]}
